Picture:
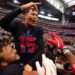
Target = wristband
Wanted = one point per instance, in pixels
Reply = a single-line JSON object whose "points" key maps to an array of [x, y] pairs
{"points": [[66, 51]]}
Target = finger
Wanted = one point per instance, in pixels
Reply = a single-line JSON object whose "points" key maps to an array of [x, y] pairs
{"points": [[51, 34], [52, 64], [43, 57], [39, 69], [46, 69], [37, 3], [53, 70], [52, 67], [57, 39], [50, 41], [58, 42], [38, 65], [55, 35], [34, 8]]}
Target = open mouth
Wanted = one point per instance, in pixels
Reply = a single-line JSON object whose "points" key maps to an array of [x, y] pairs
{"points": [[17, 57], [34, 22]]}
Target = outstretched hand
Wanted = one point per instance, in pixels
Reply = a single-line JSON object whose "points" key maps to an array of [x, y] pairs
{"points": [[57, 41], [48, 67], [29, 5]]}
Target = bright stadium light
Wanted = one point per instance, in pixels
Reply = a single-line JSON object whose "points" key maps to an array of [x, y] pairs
{"points": [[48, 18]]}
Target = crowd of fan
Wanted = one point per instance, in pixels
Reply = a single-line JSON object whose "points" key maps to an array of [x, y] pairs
{"points": [[55, 51], [63, 66]]}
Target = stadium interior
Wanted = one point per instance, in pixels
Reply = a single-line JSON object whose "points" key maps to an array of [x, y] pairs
{"points": [[54, 16]]}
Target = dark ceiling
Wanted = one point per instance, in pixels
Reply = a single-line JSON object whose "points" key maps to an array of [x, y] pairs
{"points": [[47, 7]]}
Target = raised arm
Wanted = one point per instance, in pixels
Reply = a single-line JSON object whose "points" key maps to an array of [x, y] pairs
{"points": [[59, 43], [5, 22]]}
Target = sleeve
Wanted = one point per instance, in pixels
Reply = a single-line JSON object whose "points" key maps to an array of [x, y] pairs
{"points": [[40, 51], [73, 68], [5, 22]]}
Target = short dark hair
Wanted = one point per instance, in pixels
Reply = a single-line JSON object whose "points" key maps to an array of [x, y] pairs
{"points": [[2, 44], [4, 40], [32, 8]]}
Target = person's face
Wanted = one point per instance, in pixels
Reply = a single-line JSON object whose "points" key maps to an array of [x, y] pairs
{"points": [[31, 17], [9, 54]]}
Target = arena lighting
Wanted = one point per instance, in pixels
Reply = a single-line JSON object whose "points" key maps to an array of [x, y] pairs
{"points": [[42, 12], [49, 14], [69, 2], [72, 3], [48, 18], [57, 4], [73, 13], [15, 1]]}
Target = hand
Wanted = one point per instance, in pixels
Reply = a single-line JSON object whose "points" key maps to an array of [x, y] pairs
{"points": [[57, 41], [29, 5], [48, 67], [28, 67], [30, 73]]}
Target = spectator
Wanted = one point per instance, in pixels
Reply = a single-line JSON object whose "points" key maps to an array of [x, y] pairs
{"points": [[8, 56], [28, 36]]}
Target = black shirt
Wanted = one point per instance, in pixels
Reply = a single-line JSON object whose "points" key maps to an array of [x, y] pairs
{"points": [[28, 41], [13, 69]]}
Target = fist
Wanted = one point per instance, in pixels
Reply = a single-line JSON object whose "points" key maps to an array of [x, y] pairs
{"points": [[28, 67]]}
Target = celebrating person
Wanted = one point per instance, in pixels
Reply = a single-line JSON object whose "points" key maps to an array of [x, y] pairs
{"points": [[28, 36]]}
